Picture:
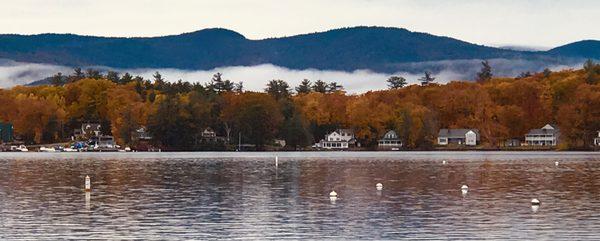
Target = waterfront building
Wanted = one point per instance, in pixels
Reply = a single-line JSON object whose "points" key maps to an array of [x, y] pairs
{"points": [[209, 135], [390, 141], [597, 140], [141, 134], [467, 137], [545, 136], [338, 139], [514, 142]]}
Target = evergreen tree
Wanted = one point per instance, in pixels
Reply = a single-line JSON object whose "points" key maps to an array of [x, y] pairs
{"points": [[126, 78], [304, 87], [319, 86], [547, 72], [217, 84], [334, 87], [113, 76], [485, 73], [77, 75], [426, 79], [278, 89], [58, 79], [159, 82], [93, 74]]}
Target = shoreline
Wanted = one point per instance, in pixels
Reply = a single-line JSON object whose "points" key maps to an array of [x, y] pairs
{"points": [[314, 155]]}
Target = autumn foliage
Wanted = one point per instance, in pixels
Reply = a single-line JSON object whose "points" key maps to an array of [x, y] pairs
{"points": [[176, 114]]}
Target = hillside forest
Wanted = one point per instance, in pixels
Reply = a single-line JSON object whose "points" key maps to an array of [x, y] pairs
{"points": [[176, 113]]}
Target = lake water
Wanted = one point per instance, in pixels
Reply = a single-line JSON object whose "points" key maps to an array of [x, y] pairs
{"points": [[200, 196]]}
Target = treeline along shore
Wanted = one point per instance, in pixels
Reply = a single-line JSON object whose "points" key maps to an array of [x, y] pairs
{"points": [[221, 115]]}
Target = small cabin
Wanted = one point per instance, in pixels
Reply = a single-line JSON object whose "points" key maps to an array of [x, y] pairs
{"points": [[513, 142], [463, 137]]}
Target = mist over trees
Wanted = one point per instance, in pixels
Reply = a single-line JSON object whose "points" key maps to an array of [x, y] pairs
{"points": [[177, 112]]}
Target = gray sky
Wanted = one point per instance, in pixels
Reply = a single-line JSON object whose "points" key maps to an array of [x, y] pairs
{"points": [[542, 23]]}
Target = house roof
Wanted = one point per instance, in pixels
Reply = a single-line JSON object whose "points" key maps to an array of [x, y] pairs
{"points": [[347, 131], [542, 131], [390, 135], [456, 133], [547, 129]]}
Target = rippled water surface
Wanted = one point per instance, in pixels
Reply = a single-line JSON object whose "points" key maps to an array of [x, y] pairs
{"points": [[245, 196]]}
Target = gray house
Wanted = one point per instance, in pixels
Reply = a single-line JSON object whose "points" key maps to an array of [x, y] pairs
{"points": [[545, 136], [467, 137]]}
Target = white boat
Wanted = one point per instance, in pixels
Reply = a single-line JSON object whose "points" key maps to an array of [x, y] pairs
{"points": [[47, 149], [69, 149], [21, 148]]}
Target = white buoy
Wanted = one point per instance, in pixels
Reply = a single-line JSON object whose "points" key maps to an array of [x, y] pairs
{"points": [[332, 197], [464, 190], [444, 162], [535, 208], [379, 186], [276, 161], [556, 163], [88, 184], [535, 202]]}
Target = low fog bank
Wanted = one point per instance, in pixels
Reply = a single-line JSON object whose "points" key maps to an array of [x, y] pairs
{"points": [[255, 77], [16, 73]]}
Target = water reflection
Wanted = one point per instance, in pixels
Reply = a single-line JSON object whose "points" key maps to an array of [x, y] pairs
{"points": [[88, 197], [535, 208], [248, 198]]}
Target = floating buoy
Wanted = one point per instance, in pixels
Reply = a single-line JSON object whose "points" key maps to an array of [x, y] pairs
{"points": [[88, 184], [276, 161], [556, 163], [535, 202], [464, 189], [332, 197], [444, 162], [379, 186]]}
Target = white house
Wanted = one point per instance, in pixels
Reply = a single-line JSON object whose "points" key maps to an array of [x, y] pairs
{"points": [[390, 141], [597, 140], [546, 136], [467, 137], [339, 139]]}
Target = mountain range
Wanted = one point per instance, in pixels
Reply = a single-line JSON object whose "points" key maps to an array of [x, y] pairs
{"points": [[380, 49]]}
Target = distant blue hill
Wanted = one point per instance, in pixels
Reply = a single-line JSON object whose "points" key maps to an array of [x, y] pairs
{"points": [[582, 49], [375, 48]]}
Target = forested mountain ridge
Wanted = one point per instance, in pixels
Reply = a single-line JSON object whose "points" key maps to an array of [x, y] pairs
{"points": [[376, 48]]}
